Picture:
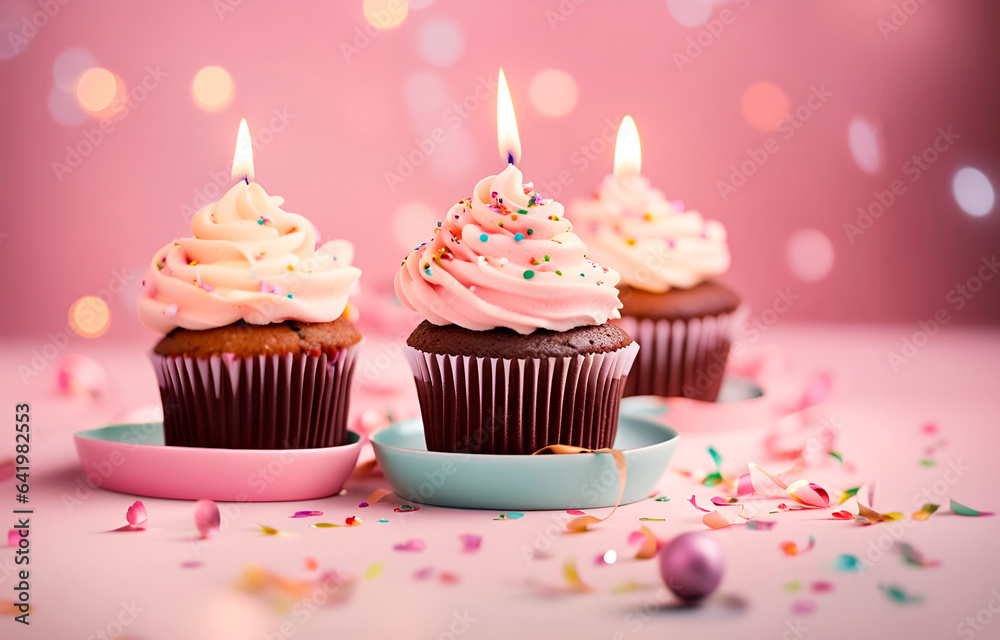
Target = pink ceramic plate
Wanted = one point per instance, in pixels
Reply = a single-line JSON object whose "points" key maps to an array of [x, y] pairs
{"points": [[132, 458], [742, 404]]}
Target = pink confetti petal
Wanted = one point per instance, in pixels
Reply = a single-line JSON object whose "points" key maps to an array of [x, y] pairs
{"points": [[803, 606], [207, 519], [136, 514], [809, 494], [930, 428], [411, 545], [843, 515], [695, 505], [471, 542], [719, 501], [423, 574], [822, 586], [765, 484], [449, 578], [744, 487], [13, 537], [305, 514], [575, 512], [192, 564], [6, 469], [721, 519]]}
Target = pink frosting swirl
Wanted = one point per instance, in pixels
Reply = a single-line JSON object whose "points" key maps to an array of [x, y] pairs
{"points": [[507, 258], [248, 260]]}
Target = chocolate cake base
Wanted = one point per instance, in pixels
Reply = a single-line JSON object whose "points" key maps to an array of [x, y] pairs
{"points": [[498, 392]]}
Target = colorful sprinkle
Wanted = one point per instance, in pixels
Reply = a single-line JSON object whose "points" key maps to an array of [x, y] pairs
{"points": [[305, 514], [483, 237], [663, 499], [518, 237], [546, 258], [529, 274], [558, 273], [630, 242], [403, 508], [531, 232]]}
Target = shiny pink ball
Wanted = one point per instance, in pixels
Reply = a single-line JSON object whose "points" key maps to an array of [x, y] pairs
{"points": [[692, 565]]}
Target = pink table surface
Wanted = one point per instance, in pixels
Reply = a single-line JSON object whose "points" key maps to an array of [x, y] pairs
{"points": [[85, 582]]}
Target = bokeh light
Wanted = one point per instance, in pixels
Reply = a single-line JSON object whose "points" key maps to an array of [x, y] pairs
{"points": [[611, 556], [414, 223], [865, 144], [809, 254], [70, 65], [90, 317], [96, 89], [973, 191], [763, 105], [64, 108], [690, 13], [212, 88], [385, 14], [441, 42], [553, 92]]}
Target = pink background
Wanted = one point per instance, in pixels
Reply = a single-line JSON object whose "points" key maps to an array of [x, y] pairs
{"points": [[353, 119]]}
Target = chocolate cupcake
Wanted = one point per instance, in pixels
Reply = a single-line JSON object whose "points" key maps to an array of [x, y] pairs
{"points": [[516, 352], [668, 258], [257, 352]]}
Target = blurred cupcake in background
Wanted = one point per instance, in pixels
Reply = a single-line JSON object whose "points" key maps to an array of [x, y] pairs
{"points": [[668, 259], [258, 350]]}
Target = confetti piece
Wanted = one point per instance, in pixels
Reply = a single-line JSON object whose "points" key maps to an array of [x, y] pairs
{"points": [[962, 510], [842, 515], [913, 557], [721, 519], [207, 519], [744, 487], [374, 570], [898, 595], [352, 521], [803, 606], [376, 496], [8, 608], [449, 578], [663, 499], [423, 574], [809, 494], [575, 512], [403, 508], [817, 390], [411, 545], [761, 525], [383, 520], [720, 501], [136, 514], [792, 549], [652, 519], [849, 493], [305, 514], [716, 458], [192, 564], [930, 428], [848, 564], [836, 456], [323, 525], [793, 585], [510, 515], [470, 542], [650, 545], [766, 485], [695, 505], [927, 463], [572, 575], [925, 512], [822, 586], [13, 537], [271, 531], [581, 524], [311, 564]]}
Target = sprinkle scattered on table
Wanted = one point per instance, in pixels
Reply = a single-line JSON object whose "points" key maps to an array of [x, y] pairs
{"points": [[898, 594], [962, 510]]}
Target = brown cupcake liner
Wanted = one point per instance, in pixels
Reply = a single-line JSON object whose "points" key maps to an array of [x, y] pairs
{"points": [[518, 406], [685, 358], [258, 402]]}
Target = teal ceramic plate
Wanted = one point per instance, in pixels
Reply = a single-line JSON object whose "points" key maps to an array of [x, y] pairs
{"points": [[522, 483]]}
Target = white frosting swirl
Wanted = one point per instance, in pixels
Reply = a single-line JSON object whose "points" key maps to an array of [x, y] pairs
{"points": [[653, 244], [248, 260]]}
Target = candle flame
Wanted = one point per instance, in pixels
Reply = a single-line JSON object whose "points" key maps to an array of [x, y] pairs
{"points": [[628, 153], [243, 158], [509, 141]]}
